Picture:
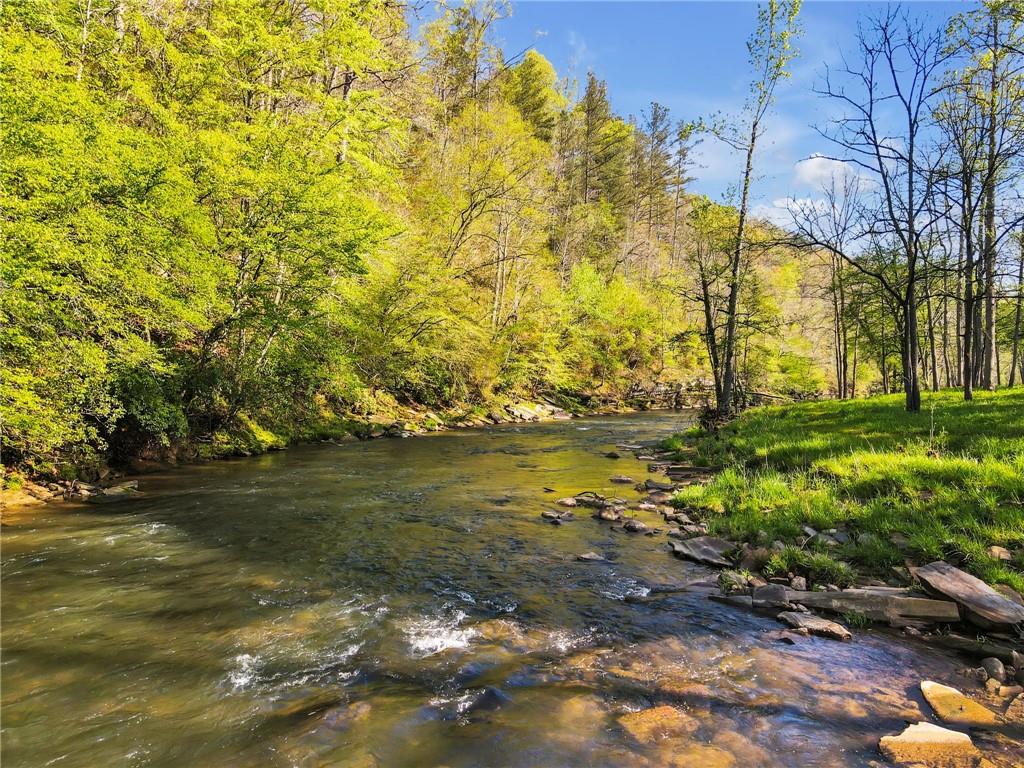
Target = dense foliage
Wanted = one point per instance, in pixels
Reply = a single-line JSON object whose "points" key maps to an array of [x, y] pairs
{"points": [[220, 217]]}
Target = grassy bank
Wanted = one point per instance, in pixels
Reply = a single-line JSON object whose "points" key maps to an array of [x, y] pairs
{"points": [[945, 483]]}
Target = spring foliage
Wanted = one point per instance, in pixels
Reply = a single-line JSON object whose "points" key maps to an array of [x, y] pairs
{"points": [[278, 213]]}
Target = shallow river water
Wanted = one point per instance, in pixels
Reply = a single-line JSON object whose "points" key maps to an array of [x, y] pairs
{"points": [[401, 603]]}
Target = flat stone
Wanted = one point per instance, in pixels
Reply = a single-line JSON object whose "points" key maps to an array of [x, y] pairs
{"points": [[657, 723], [590, 557], [815, 625], [985, 607], [952, 706], [622, 479], [925, 744], [709, 550]]}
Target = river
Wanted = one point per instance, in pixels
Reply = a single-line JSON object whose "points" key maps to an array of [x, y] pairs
{"points": [[402, 603]]}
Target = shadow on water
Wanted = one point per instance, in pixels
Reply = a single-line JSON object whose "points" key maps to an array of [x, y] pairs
{"points": [[401, 603]]}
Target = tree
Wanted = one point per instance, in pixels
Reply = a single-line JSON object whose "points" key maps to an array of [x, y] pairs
{"points": [[771, 50]]}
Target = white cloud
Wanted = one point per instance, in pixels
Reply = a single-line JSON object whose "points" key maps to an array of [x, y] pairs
{"points": [[818, 171], [780, 211], [580, 54]]}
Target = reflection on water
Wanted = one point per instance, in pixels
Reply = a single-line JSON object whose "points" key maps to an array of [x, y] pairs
{"points": [[401, 603]]}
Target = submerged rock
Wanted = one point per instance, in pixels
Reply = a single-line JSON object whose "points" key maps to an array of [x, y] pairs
{"points": [[951, 706], [926, 744], [657, 723], [113, 493], [591, 557]]}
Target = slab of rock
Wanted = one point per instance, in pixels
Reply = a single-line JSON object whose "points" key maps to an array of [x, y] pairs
{"points": [[925, 744], [951, 706], [982, 604], [657, 723], [815, 625], [770, 596], [622, 479], [654, 485], [878, 605], [709, 550]]}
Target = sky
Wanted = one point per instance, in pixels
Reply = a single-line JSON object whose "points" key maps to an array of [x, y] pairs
{"points": [[692, 57]]}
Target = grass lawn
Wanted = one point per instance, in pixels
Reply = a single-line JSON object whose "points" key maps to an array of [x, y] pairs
{"points": [[948, 480]]}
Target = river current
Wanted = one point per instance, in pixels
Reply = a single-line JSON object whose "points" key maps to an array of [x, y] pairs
{"points": [[402, 603]]}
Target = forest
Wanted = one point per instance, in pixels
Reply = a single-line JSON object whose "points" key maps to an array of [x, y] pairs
{"points": [[281, 218]]}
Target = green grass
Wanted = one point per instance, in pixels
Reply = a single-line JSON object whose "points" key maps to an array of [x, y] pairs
{"points": [[949, 479]]}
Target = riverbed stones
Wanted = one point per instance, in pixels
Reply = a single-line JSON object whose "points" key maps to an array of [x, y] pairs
{"points": [[815, 625], [652, 725], [708, 550], [983, 605], [953, 707], [926, 744]]}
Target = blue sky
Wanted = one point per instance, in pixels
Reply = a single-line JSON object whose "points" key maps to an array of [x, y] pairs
{"points": [[692, 57]]}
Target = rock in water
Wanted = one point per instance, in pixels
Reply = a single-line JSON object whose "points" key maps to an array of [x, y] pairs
{"points": [[925, 744], [983, 605], [953, 707], [709, 550], [590, 557], [622, 479], [568, 501], [634, 526], [115, 492], [1015, 712], [656, 723], [815, 625]]}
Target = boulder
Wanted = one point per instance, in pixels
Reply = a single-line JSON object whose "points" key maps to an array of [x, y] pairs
{"points": [[591, 557], [953, 707], [982, 604], [609, 514], [634, 526], [708, 550], [770, 596], [994, 668], [925, 744], [815, 625], [799, 583], [568, 501]]}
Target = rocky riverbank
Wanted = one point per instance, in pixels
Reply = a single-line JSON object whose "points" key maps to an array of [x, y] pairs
{"points": [[934, 603]]}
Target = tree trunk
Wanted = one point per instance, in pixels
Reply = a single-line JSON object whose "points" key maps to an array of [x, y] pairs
{"points": [[1015, 354], [729, 353]]}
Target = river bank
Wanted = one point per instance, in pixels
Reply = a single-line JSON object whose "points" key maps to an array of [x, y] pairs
{"points": [[248, 438]]}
